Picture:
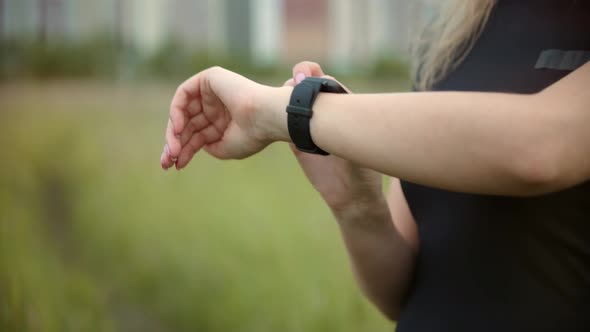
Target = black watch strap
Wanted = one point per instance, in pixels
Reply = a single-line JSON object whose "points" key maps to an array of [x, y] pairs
{"points": [[300, 111]]}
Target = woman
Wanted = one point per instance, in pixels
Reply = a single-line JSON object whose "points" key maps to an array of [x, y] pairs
{"points": [[491, 221]]}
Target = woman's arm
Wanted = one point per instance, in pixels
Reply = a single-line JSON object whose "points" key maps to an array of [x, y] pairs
{"points": [[491, 143], [382, 257], [381, 251], [215, 110], [382, 242]]}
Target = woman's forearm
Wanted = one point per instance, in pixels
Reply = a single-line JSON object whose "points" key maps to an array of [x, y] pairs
{"points": [[381, 259], [491, 143], [436, 139], [472, 142]]}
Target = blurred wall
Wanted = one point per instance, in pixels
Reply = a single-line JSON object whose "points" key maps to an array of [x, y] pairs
{"points": [[267, 32], [306, 30]]}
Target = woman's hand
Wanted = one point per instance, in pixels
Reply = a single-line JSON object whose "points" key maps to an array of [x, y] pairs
{"points": [[232, 117], [344, 186], [214, 110]]}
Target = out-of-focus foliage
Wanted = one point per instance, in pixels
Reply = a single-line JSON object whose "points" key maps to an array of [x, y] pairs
{"points": [[104, 58], [97, 57], [387, 67], [95, 237]]}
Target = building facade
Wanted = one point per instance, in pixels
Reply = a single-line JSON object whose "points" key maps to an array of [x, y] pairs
{"points": [[339, 32]]}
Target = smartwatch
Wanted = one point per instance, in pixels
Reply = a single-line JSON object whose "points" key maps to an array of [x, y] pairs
{"points": [[300, 111]]}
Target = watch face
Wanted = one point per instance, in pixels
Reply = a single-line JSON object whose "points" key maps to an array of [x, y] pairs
{"points": [[327, 85], [332, 87]]}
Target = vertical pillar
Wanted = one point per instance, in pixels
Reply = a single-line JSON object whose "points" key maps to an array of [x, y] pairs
{"points": [[341, 31], [1, 19], [21, 19], [359, 21], [68, 25], [118, 19], [58, 20], [217, 27], [403, 22], [43, 18], [266, 30], [238, 33], [379, 13], [148, 30], [306, 31]]}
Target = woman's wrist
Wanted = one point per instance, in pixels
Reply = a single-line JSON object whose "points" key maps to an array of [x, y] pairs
{"points": [[270, 105], [363, 212]]}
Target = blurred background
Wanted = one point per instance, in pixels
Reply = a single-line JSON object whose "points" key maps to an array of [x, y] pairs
{"points": [[94, 236]]}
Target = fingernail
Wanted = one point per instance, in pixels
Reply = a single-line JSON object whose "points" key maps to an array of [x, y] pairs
{"points": [[299, 77], [169, 155], [167, 150]]}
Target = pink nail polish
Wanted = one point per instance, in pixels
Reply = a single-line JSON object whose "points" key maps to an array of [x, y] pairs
{"points": [[299, 77]]}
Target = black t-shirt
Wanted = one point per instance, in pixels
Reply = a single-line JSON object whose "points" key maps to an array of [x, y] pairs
{"points": [[496, 263]]}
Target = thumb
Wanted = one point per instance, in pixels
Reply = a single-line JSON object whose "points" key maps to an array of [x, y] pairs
{"points": [[306, 69], [290, 82], [300, 77]]}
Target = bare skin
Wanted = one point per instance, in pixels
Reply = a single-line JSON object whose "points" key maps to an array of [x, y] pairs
{"points": [[489, 143], [381, 250]]}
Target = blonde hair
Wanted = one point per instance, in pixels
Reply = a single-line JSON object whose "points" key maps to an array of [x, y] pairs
{"points": [[445, 42]]}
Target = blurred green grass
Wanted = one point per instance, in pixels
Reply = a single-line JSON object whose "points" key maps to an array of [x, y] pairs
{"points": [[94, 236]]}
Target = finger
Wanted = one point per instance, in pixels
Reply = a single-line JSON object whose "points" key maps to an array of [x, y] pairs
{"points": [[295, 150], [165, 160], [200, 123], [222, 122], [185, 93], [211, 99], [178, 113], [195, 143], [172, 141], [196, 123], [163, 157], [306, 69], [289, 82], [211, 134], [217, 149], [194, 107]]}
